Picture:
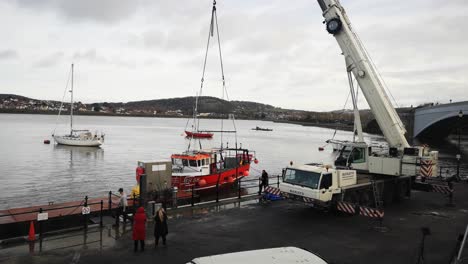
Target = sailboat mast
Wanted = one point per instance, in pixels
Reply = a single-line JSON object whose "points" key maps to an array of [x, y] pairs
{"points": [[71, 103]]}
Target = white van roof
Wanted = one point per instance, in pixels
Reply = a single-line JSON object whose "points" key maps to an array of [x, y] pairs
{"points": [[281, 255]]}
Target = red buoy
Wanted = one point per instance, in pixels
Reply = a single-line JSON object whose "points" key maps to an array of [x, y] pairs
{"points": [[46, 141], [256, 161], [321, 148], [246, 173]]}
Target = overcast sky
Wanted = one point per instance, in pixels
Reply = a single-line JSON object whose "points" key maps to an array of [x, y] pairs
{"points": [[275, 51]]}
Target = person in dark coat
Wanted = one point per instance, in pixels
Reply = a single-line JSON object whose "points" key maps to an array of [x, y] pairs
{"points": [[263, 182], [160, 226], [139, 228]]}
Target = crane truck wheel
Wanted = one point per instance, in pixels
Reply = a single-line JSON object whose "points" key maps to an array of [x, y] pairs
{"points": [[401, 191], [364, 198], [388, 193]]}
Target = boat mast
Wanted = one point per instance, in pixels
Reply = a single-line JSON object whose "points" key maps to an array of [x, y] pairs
{"points": [[71, 103]]}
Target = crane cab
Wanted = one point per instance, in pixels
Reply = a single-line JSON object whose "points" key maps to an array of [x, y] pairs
{"points": [[316, 182]]}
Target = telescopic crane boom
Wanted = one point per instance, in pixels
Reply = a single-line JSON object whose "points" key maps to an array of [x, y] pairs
{"points": [[358, 62]]}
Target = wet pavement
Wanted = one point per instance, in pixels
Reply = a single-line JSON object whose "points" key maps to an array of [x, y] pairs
{"points": [[235, 227]]}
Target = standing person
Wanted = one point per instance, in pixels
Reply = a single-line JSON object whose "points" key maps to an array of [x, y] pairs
{"points": [[139, 229], [263, 182], [160, 226], [122, 206]]}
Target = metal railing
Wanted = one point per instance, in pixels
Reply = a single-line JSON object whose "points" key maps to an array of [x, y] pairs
{"points": [[167, 198]]}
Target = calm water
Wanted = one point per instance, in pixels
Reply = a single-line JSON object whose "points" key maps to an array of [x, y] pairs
{"points": [[33, 173]]}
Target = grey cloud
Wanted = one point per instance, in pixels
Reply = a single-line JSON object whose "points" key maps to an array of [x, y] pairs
{"points": [[101, 10], [154, 38], [8, 54], [49, 60], [92, 56]]}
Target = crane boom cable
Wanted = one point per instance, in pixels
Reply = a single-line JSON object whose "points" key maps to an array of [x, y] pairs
{"points": [[196, 121], [379, 77], [221, 64]]}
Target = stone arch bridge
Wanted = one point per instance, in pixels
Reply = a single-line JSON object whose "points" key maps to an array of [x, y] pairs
{"points": [[440, 120], [430, 122]]}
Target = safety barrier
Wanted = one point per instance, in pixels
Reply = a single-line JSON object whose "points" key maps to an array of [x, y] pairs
{"points": [[371, 212], [426, 168], [356, 209], [272, 190], [441, 189], [346, 207]]}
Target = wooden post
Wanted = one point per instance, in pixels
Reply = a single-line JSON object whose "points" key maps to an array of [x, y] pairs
{"points": [[193, 190], [86, 215], [110, 203], [239, 189], [100, 215]]}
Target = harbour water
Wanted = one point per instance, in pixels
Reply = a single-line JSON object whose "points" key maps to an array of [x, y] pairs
{"points": [[33, 173]]}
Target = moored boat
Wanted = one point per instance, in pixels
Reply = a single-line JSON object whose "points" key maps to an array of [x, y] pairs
{"points": [[199, 134], [80, 138], [262, 129], [205, 169]]}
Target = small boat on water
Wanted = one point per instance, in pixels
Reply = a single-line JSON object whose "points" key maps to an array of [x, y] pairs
{"points": [[199, 134], [78, 137], [262, 129]]}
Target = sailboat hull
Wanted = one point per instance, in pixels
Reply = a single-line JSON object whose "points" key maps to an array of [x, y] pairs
{"points": [[77, 141], [199, 134]]}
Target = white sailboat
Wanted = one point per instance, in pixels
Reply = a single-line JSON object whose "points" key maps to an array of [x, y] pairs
{"points": [[83, 138]]}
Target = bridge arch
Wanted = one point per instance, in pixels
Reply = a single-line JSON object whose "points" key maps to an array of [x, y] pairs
{"points": [[439, 121]]}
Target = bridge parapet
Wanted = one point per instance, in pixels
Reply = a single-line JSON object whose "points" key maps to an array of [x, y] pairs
{"points": [[440, 117]]}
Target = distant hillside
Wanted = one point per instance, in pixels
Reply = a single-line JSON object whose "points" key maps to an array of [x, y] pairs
{"points": [[208, 107]]}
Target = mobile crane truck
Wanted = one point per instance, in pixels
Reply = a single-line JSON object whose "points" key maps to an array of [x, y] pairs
{"points": [[362, 176]]}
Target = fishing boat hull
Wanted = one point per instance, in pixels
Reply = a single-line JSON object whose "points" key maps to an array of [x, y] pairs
{"points": [[199, 134], [210, 181], [77, 141]]}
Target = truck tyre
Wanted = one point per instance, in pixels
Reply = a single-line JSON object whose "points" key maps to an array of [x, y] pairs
{"points": [[364, 198], [351, 197], [388, 193], [401, 192]]}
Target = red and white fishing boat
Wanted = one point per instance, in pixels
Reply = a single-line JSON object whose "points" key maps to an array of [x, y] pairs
{"points": [[205, 169]]}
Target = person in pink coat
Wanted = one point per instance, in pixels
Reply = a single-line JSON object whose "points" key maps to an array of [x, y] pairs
{"points": [[139, 228]]}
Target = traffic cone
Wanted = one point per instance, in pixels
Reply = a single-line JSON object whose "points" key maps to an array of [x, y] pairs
{"points": [[32, 233]]}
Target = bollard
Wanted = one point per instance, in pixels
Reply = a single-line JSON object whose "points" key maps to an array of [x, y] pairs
{"points": [[174, 196], [239, 189], [277, 181], [40, 226], [259, 186], [193, 190], [100, 215], [440, 172], [217, 188], [86, 215], [450, 195], [110, 203]]}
